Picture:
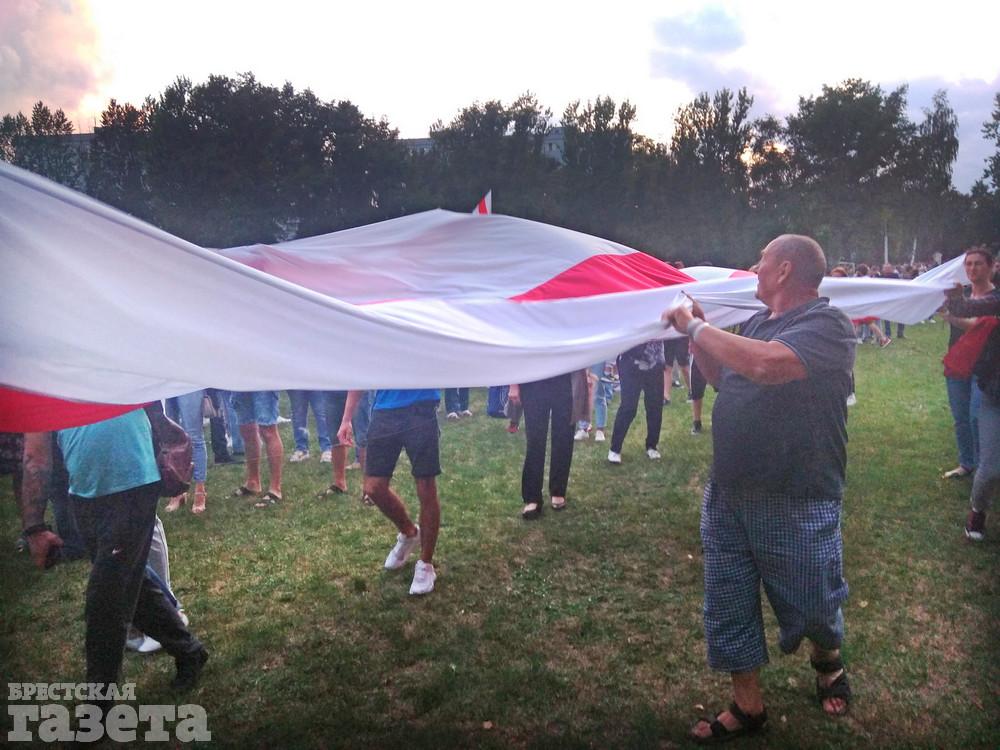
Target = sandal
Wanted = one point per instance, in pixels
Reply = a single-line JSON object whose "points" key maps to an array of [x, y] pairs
{"points": [[531, 511], [176, 502], [268, 500], [199, 502], [749, 725], [332, 490], [244, 491], [558, 503], [839, 688]]}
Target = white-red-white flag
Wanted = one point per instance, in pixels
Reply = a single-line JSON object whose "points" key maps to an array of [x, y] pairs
{"points": [[485, 205]]}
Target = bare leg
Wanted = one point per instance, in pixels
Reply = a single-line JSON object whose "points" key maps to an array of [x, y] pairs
{"points": [[251, 445], [275, 456], [378, 489], [339, 464], [430, 517]]}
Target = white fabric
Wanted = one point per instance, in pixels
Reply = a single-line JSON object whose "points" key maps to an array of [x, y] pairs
{"points": [[98, 306]]}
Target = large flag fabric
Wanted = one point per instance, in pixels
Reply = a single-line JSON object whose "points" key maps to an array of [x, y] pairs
{"points": [[101, 307]]}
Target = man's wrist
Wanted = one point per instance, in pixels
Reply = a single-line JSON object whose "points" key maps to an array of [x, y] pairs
{"points": [[36, 528], [694, 327]]}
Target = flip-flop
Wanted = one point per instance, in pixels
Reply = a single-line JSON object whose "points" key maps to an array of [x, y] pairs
{"points": [[557, 506], [244, 491], [268, 500]]}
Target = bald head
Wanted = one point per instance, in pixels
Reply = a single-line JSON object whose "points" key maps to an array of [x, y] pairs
{"points": [[808, 263]]}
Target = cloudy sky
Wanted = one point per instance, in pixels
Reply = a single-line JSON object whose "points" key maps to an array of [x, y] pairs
{"points": [[417, 62]]}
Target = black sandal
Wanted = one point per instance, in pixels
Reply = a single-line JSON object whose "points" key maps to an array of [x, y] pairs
{"points": [[839, 688], [332, 490], [268, 500], [749, 725], [529, 513]]}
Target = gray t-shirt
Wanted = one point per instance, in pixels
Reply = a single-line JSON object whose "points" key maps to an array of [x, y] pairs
{"points": [[789, 438]]}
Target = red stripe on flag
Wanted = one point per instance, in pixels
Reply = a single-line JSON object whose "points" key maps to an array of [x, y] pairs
{"points": [[605, 274], [21, 411]]}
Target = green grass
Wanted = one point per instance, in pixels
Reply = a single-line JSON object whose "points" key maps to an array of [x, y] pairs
{"points": [[580, 630]]}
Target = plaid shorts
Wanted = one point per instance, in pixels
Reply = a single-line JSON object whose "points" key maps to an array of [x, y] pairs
{"points": [[790, 544]]}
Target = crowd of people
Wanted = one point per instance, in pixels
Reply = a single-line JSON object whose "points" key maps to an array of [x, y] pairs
{"points": [[771, 510]]}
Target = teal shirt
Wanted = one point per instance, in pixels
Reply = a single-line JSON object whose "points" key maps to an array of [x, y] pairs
{"points": [[110, 456]]}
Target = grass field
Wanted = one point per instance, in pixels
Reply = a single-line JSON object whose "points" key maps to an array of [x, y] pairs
{"points": [[580, 630]]}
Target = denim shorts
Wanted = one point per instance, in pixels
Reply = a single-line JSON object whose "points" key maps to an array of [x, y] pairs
{"points": [[413, 428], [256, 407]]}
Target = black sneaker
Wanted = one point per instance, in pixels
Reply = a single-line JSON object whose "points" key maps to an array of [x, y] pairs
{"points": [[189, 669], [696, 428]]}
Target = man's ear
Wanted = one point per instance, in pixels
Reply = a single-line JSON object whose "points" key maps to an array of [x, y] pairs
{"points": [[784, 271]]}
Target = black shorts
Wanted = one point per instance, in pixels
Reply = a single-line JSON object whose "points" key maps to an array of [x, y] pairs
{"points": [[676, 349], [698, 382], [413, 428]]}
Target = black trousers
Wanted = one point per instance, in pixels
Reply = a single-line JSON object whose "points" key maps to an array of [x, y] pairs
{"points": [[635, 381], [117, 530], [545, 400]]}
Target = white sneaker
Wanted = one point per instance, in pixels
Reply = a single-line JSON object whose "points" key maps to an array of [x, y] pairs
{"points": [[581, 434], [404, 546], [598, 436], [452, 415], [149, 646], [134, 640], [653, 454], [326, 457], [615, 458], [852, 399], [956, 473], [466, 413], [423, 579], [298, 456]]}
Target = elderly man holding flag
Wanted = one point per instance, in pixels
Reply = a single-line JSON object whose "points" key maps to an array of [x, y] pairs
{"points": [[771, 510]]}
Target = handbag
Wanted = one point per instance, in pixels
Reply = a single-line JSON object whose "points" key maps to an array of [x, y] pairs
{"points": [[964, 353], [172, 448]]}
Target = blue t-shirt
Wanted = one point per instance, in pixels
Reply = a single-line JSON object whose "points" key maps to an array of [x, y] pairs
{"points": [[110, 456], [396, 399]]}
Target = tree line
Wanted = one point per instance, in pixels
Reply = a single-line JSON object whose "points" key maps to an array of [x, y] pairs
{"points": [[233, 161]]}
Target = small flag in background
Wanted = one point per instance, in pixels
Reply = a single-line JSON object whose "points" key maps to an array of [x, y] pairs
{"points": [[485, 205]]}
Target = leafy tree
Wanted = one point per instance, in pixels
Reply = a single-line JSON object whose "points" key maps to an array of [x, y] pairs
{"points": [[708, 204], [489, 146], [597, 176], [233, 161], [849, 159], [118, 158], [35, 144], [986, 192]]}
